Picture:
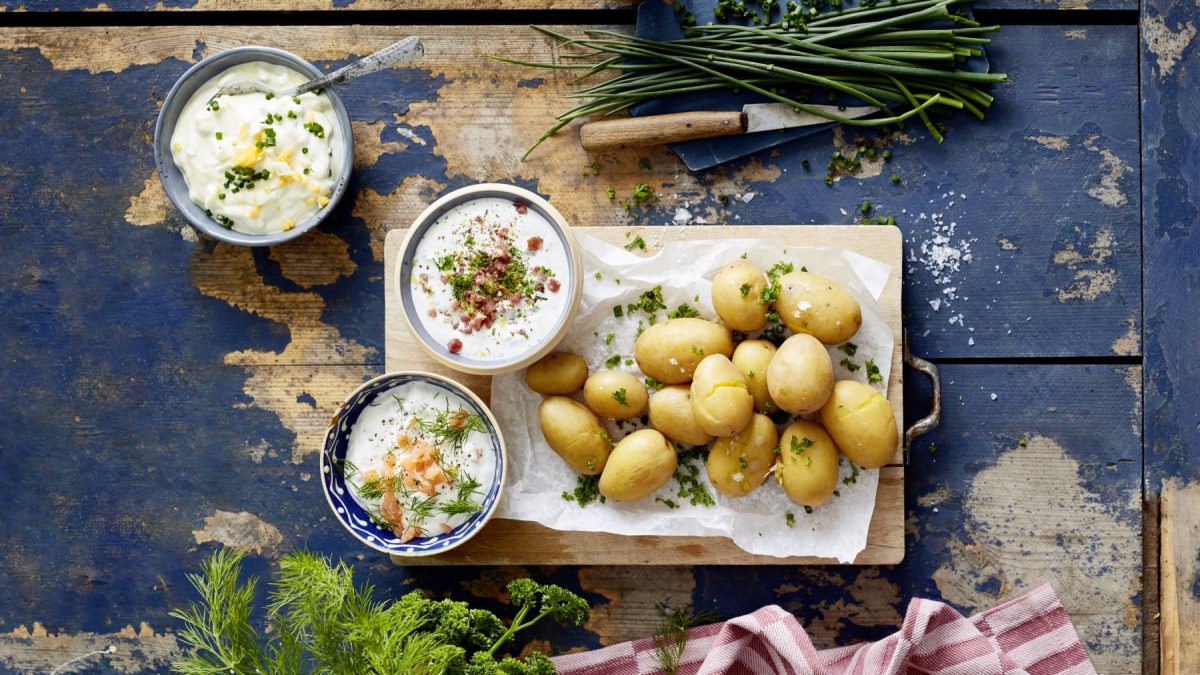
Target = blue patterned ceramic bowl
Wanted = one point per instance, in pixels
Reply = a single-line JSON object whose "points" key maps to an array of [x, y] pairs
{"points": [[172, 179], [354, 518]]}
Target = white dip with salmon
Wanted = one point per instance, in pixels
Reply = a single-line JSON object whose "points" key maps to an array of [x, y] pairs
{"points": [[258, 163], [490, 279], [419, 460]]}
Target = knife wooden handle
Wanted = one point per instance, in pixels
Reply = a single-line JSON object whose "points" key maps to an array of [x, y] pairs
{"points": [[660, 129]]}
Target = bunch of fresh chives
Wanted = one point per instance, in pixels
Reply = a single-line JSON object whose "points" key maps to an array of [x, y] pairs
{"points": [[886, 55]]}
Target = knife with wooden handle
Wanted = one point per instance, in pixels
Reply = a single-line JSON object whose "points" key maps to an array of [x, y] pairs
{"points": [[690, 126]]}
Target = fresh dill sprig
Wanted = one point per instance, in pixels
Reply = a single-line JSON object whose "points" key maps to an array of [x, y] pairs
{"points": [[463, 502], [452, 426], [671, 639]]}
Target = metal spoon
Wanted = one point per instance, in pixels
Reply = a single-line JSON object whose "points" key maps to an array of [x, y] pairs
{"points": [[405, 50]]}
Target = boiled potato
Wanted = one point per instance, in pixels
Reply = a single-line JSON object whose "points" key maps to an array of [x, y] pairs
{"points": [[752, 358], [720, 399], [557, 374], [862, 423], [640, 464], [800, 375], [811, 304], [670, 351], [808, 463], [615, 394], [671, 413], [735, 295], [738, 464], [575, 434]]}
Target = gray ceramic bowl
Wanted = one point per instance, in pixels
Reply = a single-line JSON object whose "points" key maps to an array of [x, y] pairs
{"points": [[172, 180], [555, 328]]}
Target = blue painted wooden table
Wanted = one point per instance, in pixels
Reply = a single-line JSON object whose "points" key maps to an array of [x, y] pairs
{"points": [[165, 395]]}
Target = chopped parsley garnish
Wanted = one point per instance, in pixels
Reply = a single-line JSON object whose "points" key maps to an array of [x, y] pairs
{"points": [[644, 162], [587, 490], [291, 114], [649, 302], [270, 96], [595, 168], [853, 477], [608, 339], [771, 293], [745, 290], [698, 350], [850, 365], [642, 193], [790, 518], [684, 310], [315, 129], [850, 348], [774, 332], [213, 105], [618, 311], [619, 397], [637, 242], [652, 383], [873, 374], [597, 275], [687, 477], [296, 100], [799, 446], [669, 503], [611, 192], [220, 135], [613, 361]]}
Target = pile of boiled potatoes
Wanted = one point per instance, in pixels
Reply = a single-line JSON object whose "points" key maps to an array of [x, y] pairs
{"points": [[714, 391]]}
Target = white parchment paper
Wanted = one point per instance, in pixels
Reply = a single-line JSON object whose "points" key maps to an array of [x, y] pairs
{"points": [[757, 522]]}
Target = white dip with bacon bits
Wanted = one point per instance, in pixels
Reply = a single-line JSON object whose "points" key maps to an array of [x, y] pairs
{"points": [[490, 278], [419, 460], [258, 163]]}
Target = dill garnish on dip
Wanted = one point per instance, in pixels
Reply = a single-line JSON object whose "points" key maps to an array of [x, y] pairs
{"points": [[419, 461], [489, 277]]}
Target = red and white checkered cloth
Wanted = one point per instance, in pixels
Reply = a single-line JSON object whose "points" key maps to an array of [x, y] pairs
{"points": [[1031, 635]]}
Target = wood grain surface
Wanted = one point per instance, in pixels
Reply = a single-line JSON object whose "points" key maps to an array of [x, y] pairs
{"points": [[507, 542], [1179, 552], [437, 5]]}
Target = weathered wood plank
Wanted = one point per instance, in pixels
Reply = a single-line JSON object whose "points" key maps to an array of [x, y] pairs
{"points": [[1170, 64], [1171, 204], [437, 5], [1179, 552]]}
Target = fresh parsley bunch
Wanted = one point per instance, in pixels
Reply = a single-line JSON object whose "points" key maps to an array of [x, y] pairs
{"points": [[321, 623]]}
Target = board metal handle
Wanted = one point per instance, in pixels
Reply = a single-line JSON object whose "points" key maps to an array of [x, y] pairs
{"points": [[660, 129], [930, 421]]}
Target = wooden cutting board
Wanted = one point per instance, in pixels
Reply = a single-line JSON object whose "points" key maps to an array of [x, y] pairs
{"points": [[513, 542]]}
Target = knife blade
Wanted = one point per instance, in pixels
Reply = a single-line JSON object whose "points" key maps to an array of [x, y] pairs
{"points": [[689, 126]]}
